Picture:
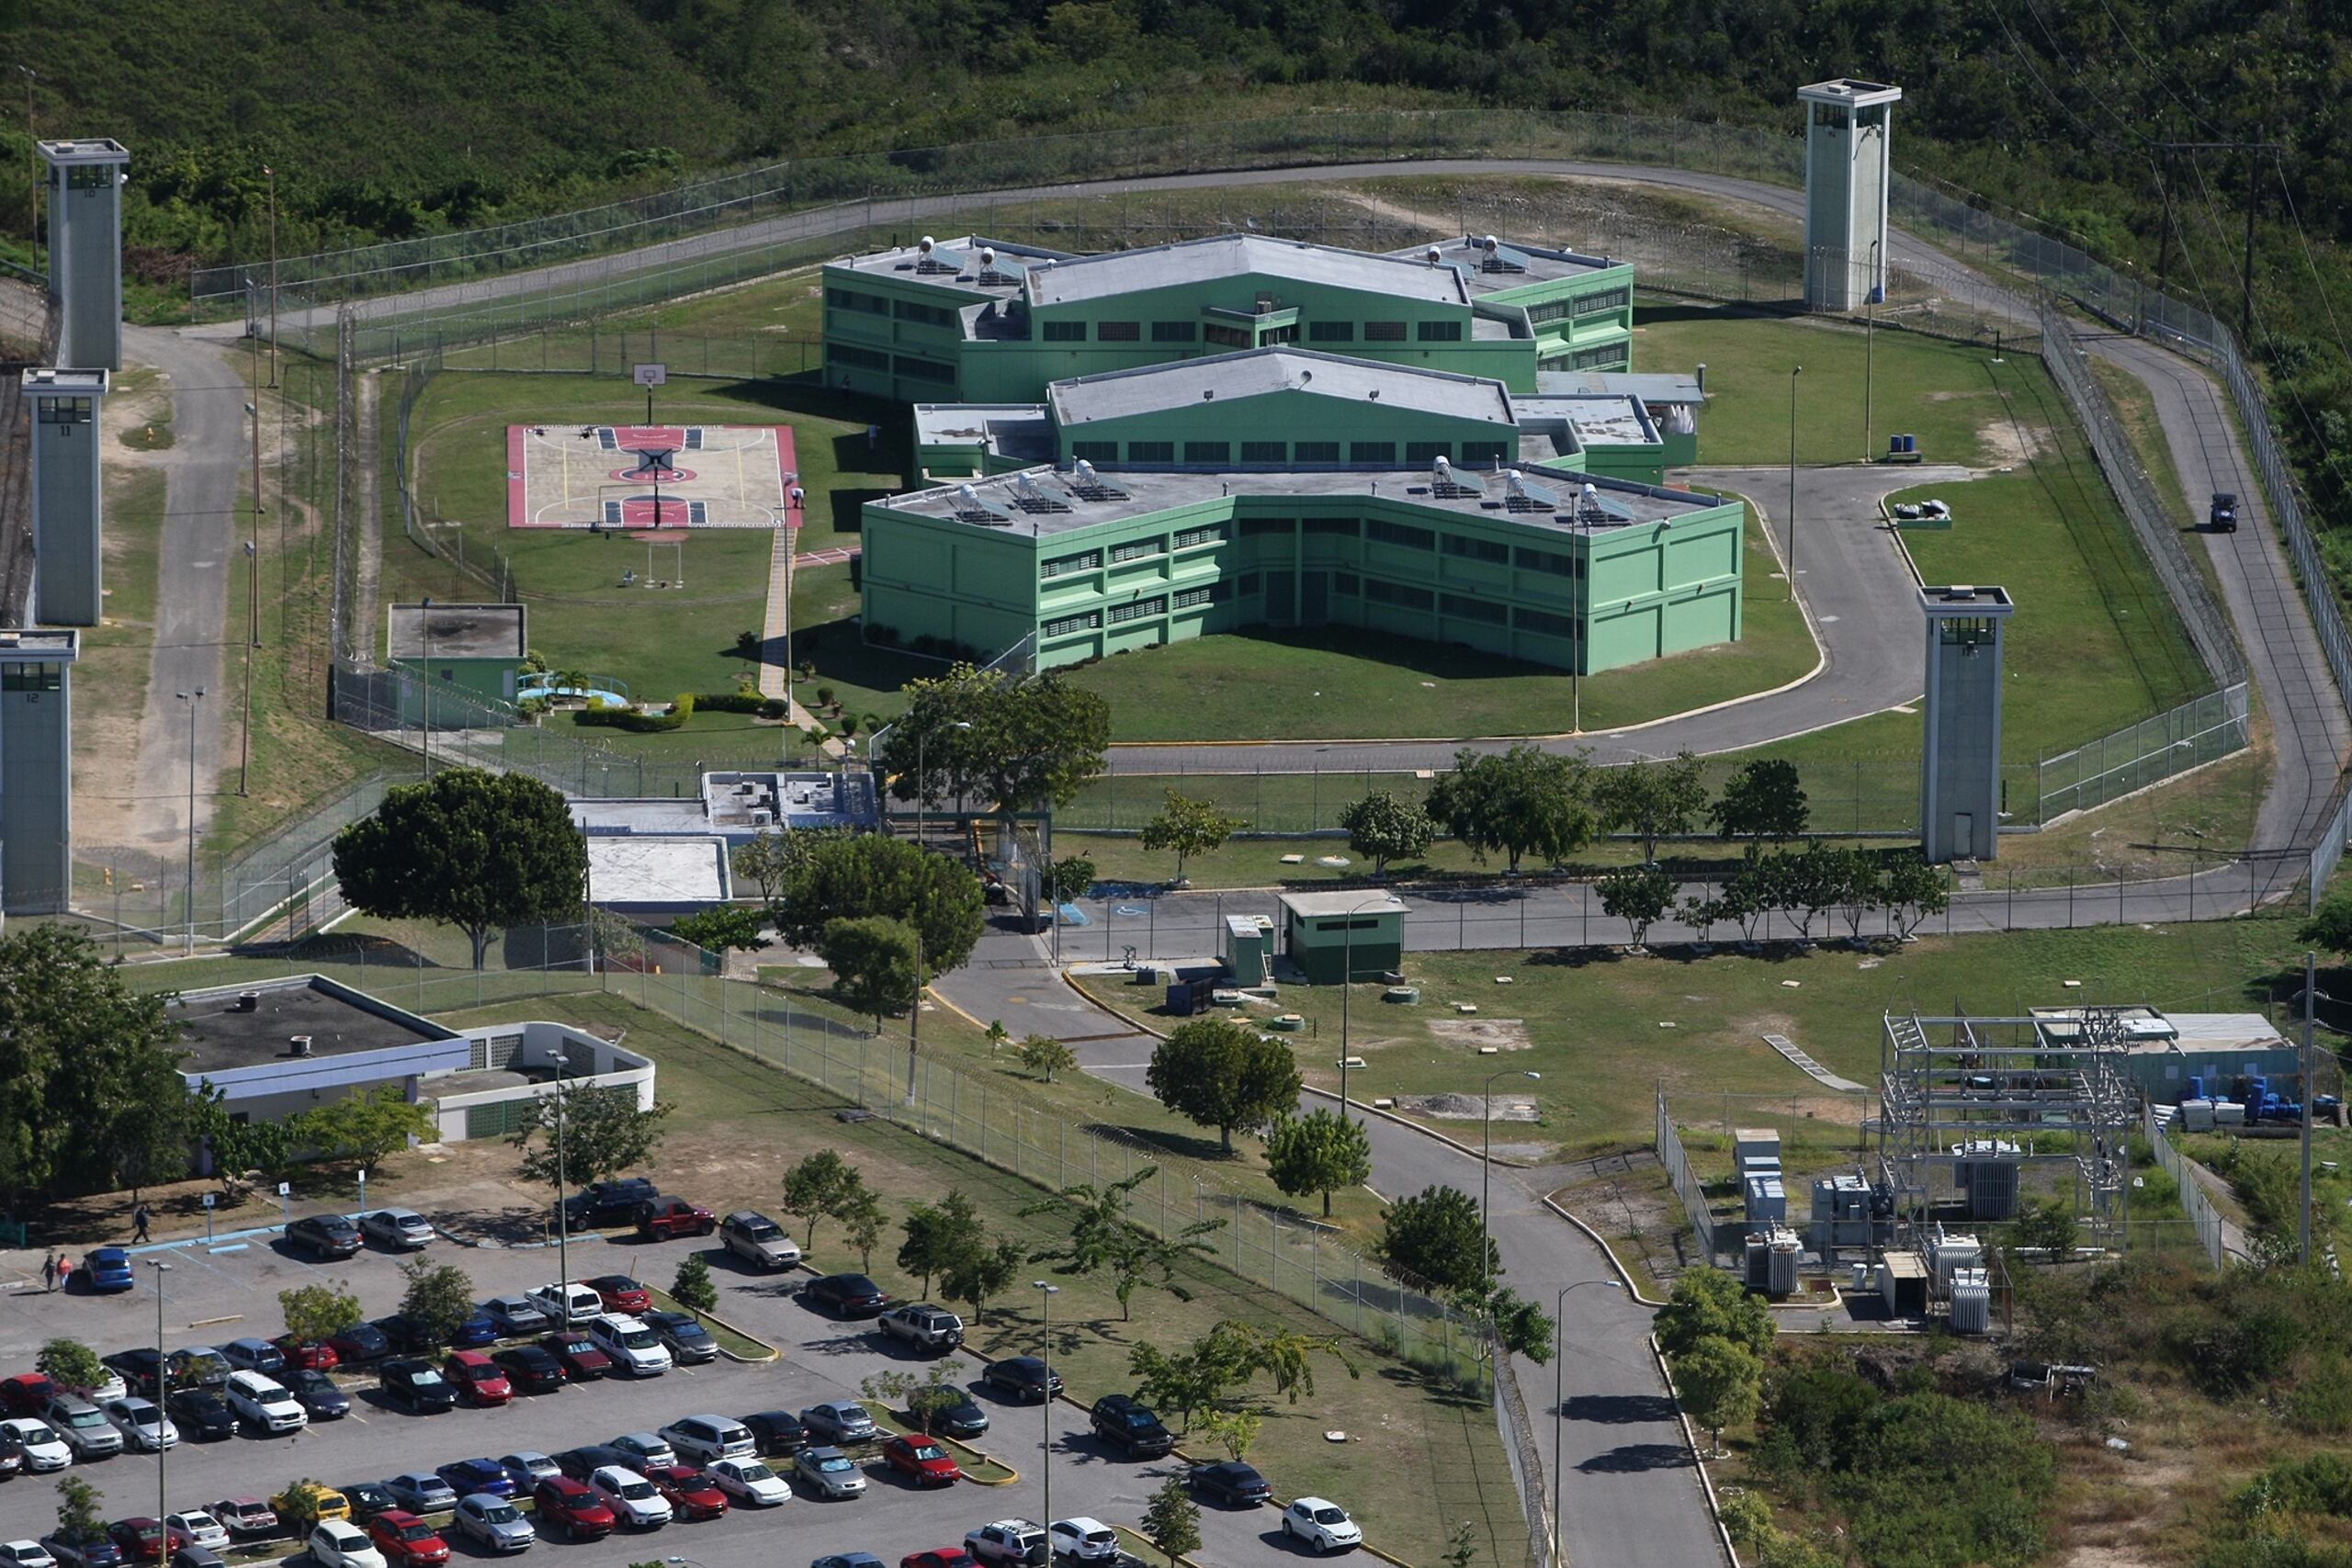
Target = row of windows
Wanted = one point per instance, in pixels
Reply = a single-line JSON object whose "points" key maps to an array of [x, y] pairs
{"points": [[1216, 593], [1095, 451], [65, 411], [1062, 566], [1551, 561], [1475, 549], [1209, 451], [851, 299], [923, 369], [1227, 337], [1063, 332], [1138, 609], [1224, 336], [1472, 609], [1085, 622], [1607, 299], [1136, 549], [1545, 621], [1119, 331], [928, 315], [1397, 594], [1187, 537], [1380, 531], [32, 677], [854, 357]]}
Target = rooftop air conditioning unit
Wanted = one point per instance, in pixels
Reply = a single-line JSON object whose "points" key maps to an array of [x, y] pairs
{"points": [[762, 816], [247, 1001], [300, 1045]]}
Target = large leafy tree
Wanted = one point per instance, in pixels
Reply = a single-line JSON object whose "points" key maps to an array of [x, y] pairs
{"points": [[875, 962], [937, 1234], [1638, 894], [1708, 1303], [1103, 1239], [366, 1126], [317, 1312], [1384, 827], [852, 879], [439, 1297], [1652, 800], [473, 850], [723, 926], [1019, 741], [1320, 1152], [1721, 1382], [768, 861], [1188, 828], [1516, 803], [603, 1134], [1763, 802], [1913, 890], [1432, 1237], [1223, 1075]]}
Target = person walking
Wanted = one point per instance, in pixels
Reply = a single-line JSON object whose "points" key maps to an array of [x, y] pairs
{"points": [[139, 1218], [48, 1271], [65, 1273]]}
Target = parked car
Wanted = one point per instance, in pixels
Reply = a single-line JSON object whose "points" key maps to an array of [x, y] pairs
{"points": [[494, 1524], [964, 1420], [1123, 1421], [758, 1240], [83, 1426], [665, 1219], [690, 1494], [643, 1449], [748, 1482], [416, 1387], [400, 1230], [478, 1380], [11, 1463], [921, 1461], [1083, 1539], [264, 1403], [367, 1499], [308, 1355], [515, 1316], [529, 1368], [567, 1305], [846, 1295], [608, 1202], [1321, 1524], [421, 1491], [191, 1555], [688, 1342], [938, 1557], [1231, 1483], [527, 1467], [110, 1386], [245, 1519], [407, 1540], [577, 1356], [408, 1336], [848, 1560], [568, 1507], [306, 1502], [25, 1394], [324, 1236], [142, 1539], [619, 1293], [838, 1421], [634, 1348], [138, 1369], [826, 1472], [1024, 1378], [24, 1554], [91, 1550], [339, 1543], [924, 1327], [202, 1416], [1007, 1543], [106, 1271], [359, 1345], [631, 1497], [196, 1366], [2223, 513], [254, 1356], [468, 1477], [199, 1528], [34, 1444], [317, 1395], [580, 1463], [778, 1433], [699, 1439], [474, 1330], [143, 1426]]}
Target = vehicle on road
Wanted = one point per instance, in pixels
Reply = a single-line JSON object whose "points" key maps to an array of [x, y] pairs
{"points": [[317, 1396], [748, 1482], [577, 1356], [199, 1528], [700, 1440], [758, 1240], [83, 1426], [407, 1540], [106, 1271], [2223, 513], [839, 1422], [468, 1476], [826, 1472], [665, 1219], [339, 1543], [688, 1342], [495, 1524], [567, 1303], [846, 1295], [778, 1433], [634, 1348], [570, 1509], [367, 1499], [421, 1491], [144, 1428], [416, 1387], [1024, 1378], [35, 1443], [479, 1379], [921, 1461], [360, 1345], [1321, 1524], [529, 1368], [610, 1202], [527, 1467], [91, 1550], [1083, 1539], [1008, 1542], [924, 1327], [398, 1230], [263, 1404], [690, 1494], [516, 1318], [631, 1497], [1123, 1421], [254, 1356], [245, 1519], [619, 1293], [644, 1448], [202, 1416], [1231, 1483], [324, 1236]]}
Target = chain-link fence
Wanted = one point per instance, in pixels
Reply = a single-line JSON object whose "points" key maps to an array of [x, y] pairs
{"points": [[2203, 729], [2194, 1204], [1687, 1188]]}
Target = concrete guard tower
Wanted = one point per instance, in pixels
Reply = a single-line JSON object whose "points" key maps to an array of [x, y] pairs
{"points": [[1959, 765], [85, 247], [68, 500], [1846, 169], [36, 771]]}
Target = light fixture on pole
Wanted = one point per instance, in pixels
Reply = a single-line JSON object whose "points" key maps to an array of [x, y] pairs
{"points": [[1045, 1406], [1486, 1170], [1870, 302], [1790, 526], [1559, 1400], [162, 1268], [192, 700], [1347, 985]]}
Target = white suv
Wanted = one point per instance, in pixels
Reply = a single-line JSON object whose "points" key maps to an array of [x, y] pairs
{"points": [[634, 1347], [1086, 1539], [570, 1304], [1321, 1524], [265, 1403], [631, 1497], [700, 1440], [339, 1543]]}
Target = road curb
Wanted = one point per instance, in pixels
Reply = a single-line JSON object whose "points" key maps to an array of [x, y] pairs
{"points": [[1623, 1277], [1691, 1442]]}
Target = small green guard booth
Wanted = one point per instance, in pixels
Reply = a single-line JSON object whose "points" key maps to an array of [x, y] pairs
{"points": [[1355, 934]]}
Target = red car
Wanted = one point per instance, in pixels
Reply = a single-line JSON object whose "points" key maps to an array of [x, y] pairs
{"points": [[583, 1362], [939, 1557], [479, 1379], [921, 1461], [660, 1219], [568, 1504], [25, 1394], [621, 1294], [137, 1538], [308, 1355], [690, 1494], [406, 1539]]}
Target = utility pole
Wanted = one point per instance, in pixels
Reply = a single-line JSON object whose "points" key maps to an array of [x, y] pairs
{"points": [[2253, 194], [2310, 1003], [273, 277], [32, 212]]}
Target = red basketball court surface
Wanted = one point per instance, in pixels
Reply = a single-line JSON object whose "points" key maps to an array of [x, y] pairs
{"points": [[642, 477]]}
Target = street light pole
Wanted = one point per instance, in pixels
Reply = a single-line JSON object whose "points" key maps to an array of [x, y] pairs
{"points": [[32, 212], [273, 273], [1045, 1406], [1486, 1171], [189, 946], [1869, 323], [562, 1219], [1792, 523], [161, 1269], [1560, 1402]]}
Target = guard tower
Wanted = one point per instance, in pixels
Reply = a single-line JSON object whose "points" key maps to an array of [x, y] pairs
{"points": [[1959, 766], [85, 247], [1846, 170], [36, 771], [67, 496]]}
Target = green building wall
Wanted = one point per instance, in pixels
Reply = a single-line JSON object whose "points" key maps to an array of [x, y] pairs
{"points": [[1223, 432], [471, 680]]}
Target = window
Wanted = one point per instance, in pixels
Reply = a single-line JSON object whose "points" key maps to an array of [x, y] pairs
{"points": [[1384, 533], [1438, 332], [1609, 357], [855, 358], [1396, 593], [1265, 451], [41, 677], [1383, 332], [1084, 622], [1344, 526], [1209, 451], [1371, 451], [1604, 299], [851, 299], [1094, 451], [1061, 566], [1549, 311], [1151, 451], [1261, 527], [922, 369], [1315, 452], [1117, 331], [1428, 451], [1330, 332], [1064, 332], [1547, 622], [1187, 537], [1466, 609], [1136, 549], [65, 411], [1172, 331], [1273, 335], [1226, 337], [1193, 598], [929, 315], [1347, 584], [1473, 548], [90, 176], [1155, 605], [1552, 561], [1483, 452]]}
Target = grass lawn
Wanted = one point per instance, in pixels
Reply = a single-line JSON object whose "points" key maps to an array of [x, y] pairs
{"points": [[1341, 683]]}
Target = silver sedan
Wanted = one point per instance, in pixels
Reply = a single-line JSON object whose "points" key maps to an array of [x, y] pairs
{"points": [[494, 1523]]}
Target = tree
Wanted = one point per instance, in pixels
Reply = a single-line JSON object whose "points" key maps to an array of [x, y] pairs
{"points": [[470, 849], [1069, 878], [1103, 1239], [768, 861], [923, 1397], [1224, 1075], [874, 961], [1233, 1431], [238, 1149], [1522, 1327], [1709, 1304], [317, 1312], [1640, 895], [1915, 890], [1432, 1237], [78, 1519], [861, 1221], [1864, 889], [300, 1511], [439, 1297], [1187, 1382], [1460, 1547], [938, 1235], [1812, 881], [1748, 896], [1286, 1356], [1384, 827], [1045, 1055], [1030, 740], [856, 878], [1320, 1152], [980, 1273], [723, 927], [366, 1126], [1189, 827], [1524, 801], [1721, 1383], [2330, 925], [823, 1185], [2047, 1227], [603, 1134], [1172, 1522], [1652, 800], [1763, 799], [1702, 914], [997, 1035], [69, 1363], [692, 1288]]}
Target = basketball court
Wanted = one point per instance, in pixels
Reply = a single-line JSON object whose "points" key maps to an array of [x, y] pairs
{"points": [[643, 477]]}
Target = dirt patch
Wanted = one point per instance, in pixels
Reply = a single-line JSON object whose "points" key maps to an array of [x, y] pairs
{"points": [[2012, 445], [1503, 1033], [1466, 1107]]}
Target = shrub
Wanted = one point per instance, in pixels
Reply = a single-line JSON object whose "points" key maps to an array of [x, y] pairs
{"points": [[728, 702], [613, 715]]}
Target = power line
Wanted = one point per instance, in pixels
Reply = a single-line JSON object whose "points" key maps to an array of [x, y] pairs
{"points": [[2304, 239], [2018, 51], [2154, 73]]}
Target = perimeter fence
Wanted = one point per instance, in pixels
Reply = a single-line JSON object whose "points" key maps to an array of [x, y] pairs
{"points": [[2202, 1215]]}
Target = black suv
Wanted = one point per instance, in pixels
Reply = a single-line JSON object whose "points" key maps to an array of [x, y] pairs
{"points": [[777, 1433], [417, 1387], [608, 1202], [1121, 1421], [1024, 1378], [2225, 512], [367, 1499], [324, 1236]]}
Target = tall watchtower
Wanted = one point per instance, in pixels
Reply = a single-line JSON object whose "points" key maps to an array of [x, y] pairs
{"points": [[1846, 169], [67, 496], [85, 247], [36, 771], [1959, 766]]}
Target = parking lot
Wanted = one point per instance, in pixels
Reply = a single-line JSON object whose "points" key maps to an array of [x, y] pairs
{"points": [[215, 1295]]}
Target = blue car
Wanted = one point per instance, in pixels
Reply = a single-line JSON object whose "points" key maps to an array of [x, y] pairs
{"points": [[848, 1560], [477, 1331], [107, 1270], [476, 1477]]}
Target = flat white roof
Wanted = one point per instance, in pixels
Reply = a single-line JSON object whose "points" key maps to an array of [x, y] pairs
{"points": [[1850, 92], [86, 150], [1316, 904], [626, 872], [1241, 256], [64, 383], [1256, 372]]}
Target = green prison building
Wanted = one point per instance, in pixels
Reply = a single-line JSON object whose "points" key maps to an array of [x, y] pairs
{"points": [[1281, 486], [974, 320]]}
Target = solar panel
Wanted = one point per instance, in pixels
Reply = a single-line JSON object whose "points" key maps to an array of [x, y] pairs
{"points": [[971, 506], [1521, 496], [1447, 484], [1594, 511], [1030, 499]]}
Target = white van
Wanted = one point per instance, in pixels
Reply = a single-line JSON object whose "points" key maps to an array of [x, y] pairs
{"points": [[634, 1347], [262, 1402]]}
